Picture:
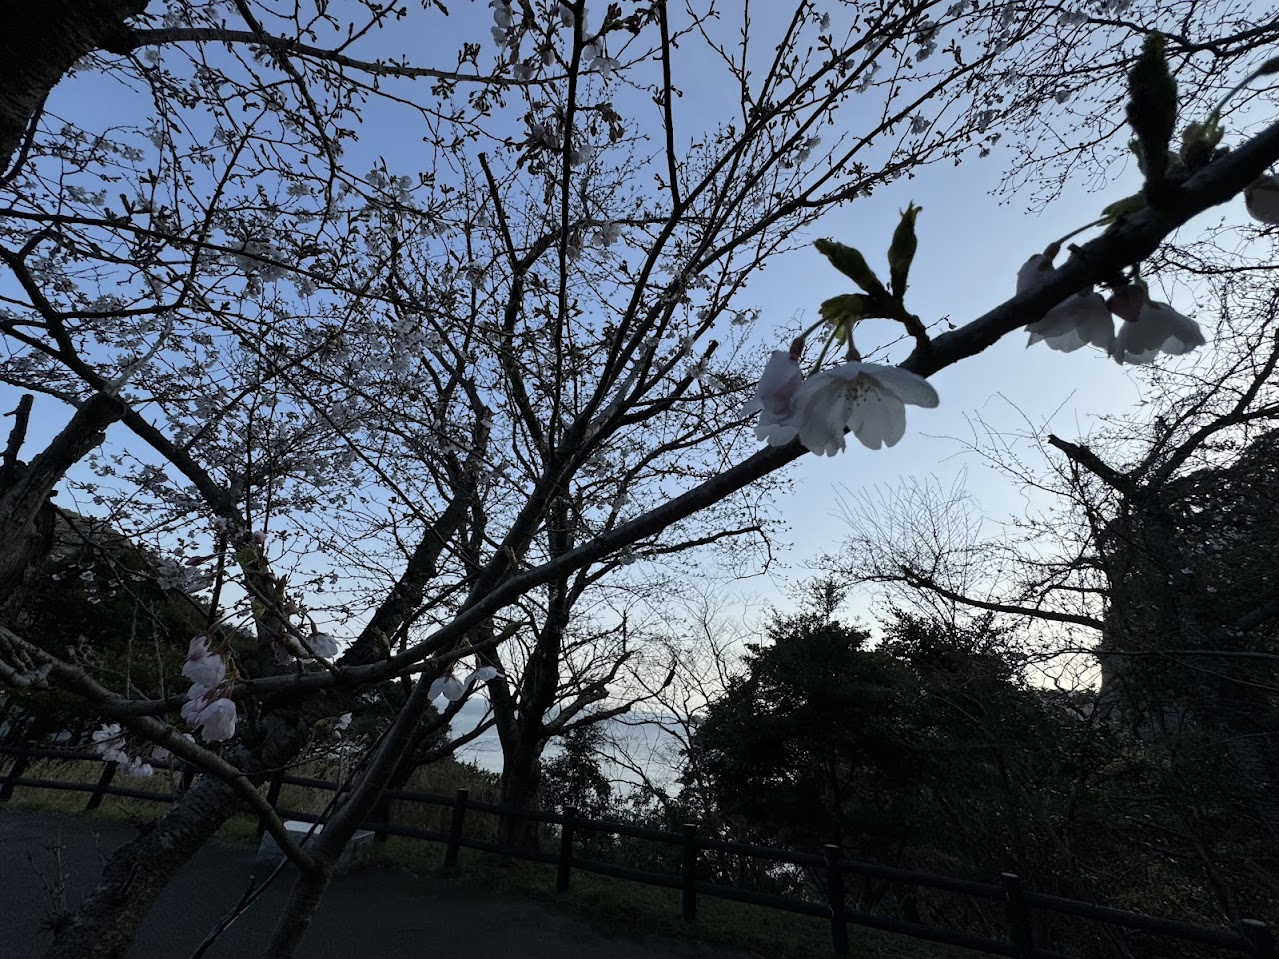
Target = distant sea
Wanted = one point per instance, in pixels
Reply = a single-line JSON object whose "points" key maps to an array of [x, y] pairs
{"points": [[647, 746]]}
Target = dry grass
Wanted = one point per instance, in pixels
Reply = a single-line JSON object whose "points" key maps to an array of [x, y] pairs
{"points": [[240, 828], [444, 778]]}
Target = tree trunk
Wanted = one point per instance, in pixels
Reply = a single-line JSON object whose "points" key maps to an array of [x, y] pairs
{"points": [[40, 42], [521, 779], [522, 724], [137, 873]]}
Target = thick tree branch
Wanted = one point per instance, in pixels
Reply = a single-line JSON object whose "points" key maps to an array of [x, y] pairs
{"points": [[40, 42]]}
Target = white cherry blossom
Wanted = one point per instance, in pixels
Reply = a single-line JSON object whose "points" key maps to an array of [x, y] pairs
{"points": [[1261, 197], [1078, 320], [447, 686], [136, 767], [774, 399], [453, 689], [1158, 329], [867, 399], [213, 716], [324, 645], [203, 666], [218, 721], [108, 741]]}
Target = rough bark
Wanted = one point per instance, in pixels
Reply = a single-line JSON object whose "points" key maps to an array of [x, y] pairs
{"points": [[135, 875], [26, 518], [40, 43], [521, 780]]}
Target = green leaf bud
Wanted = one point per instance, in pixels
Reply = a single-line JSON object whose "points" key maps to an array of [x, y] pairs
{"points": [[902, 251], [1152, 106], [852, 264]]}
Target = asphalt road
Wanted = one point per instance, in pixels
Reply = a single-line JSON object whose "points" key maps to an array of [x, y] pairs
{"points": [[374, 912]]}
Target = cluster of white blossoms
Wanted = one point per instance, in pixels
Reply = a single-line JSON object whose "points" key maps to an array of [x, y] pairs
{"points": [[868, 399], [502, 16], [594, 56], [1148, 328], [108, 740], [454, 689], [207, 709], [322, 645]]}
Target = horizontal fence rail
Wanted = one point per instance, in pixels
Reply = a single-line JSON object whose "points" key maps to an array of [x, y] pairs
{"points": [[1020, 906]]}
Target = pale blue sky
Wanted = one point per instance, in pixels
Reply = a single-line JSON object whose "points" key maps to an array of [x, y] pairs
{"points": [[970, 247]]}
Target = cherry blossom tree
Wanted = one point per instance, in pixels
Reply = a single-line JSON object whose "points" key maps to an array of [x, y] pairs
{"points": [[399, 403]]}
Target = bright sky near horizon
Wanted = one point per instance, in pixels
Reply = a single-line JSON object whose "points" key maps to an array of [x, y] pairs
{"points": [[970, 247]]}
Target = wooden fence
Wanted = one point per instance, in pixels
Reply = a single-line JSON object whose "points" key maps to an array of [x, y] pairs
{"points": [[1020, 905]]}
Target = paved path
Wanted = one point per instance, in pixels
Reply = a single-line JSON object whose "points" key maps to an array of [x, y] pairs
{"points": [[376, 912]]}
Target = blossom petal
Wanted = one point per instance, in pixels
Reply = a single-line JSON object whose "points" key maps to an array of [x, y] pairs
{"points": [[325, 646], [453, 690], [482, 675], [217, 721], [775, 392], [197, 700], [774, 431], [906, 386], [208, 671], [1158, 328], [1032, 272], [1261, 197], [824, 413], [878, 419], [1077, 321]]}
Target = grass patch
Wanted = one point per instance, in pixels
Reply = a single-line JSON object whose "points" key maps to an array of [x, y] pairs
{"points": [[637, 910]]}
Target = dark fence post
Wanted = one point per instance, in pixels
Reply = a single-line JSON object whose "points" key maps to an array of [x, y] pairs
{"points": [[455, 827], [566, 849], [835, 896], [108, 774], [381, 812], [19, 767], [1259, 937], [688, 869], [272, 796], [1020, 924]]}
